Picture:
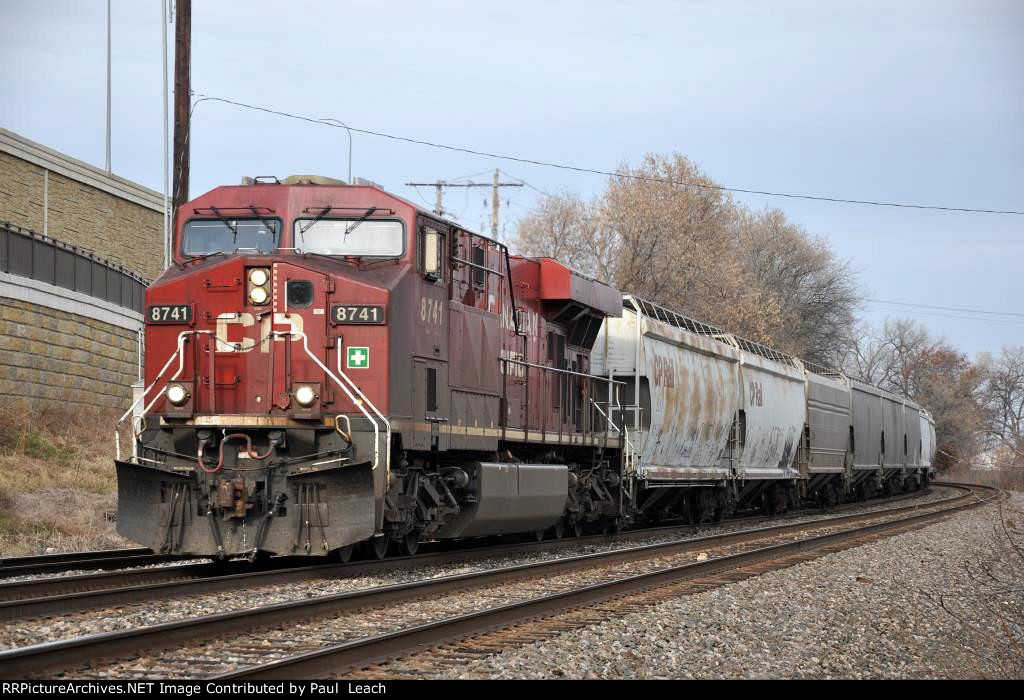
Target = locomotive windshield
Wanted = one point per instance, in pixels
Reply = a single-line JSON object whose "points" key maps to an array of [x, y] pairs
{"points": [[357, 237], [206, 236]]}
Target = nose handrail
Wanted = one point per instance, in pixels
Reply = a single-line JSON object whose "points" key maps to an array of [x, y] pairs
{"points": [[358, 397], [353, 392], [181, 366]]}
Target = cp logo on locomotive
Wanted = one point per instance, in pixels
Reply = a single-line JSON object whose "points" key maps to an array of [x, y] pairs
{"points": [[247, 343]]}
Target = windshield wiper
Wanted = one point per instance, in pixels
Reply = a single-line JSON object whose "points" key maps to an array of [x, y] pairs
{"points": [[271, 225], [231, 227], [204, 256], [350, 229], [324, 212]]}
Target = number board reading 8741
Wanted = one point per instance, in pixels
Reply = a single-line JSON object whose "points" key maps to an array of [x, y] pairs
{"points": [[357, 314], [169, 313]]}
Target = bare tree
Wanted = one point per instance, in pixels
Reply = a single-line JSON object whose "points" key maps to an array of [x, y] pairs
{"points": [[816, 293], [572, 231], [675, 246], [664, 231], [1003, 397]]}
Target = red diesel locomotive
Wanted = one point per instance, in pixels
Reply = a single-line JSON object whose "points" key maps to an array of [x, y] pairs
{"points": [[330, 364]]}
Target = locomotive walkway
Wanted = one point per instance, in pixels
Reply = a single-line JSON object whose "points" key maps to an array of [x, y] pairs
{"points": [[394, 619]]}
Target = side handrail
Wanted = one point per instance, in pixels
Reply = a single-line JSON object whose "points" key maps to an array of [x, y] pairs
{"points": [[624, 432], [383, 419], [558, 370]]}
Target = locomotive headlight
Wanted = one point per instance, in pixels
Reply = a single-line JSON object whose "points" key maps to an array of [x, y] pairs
{"points": [[177, 394], [258, 295], [259, 279], [305, 395]]}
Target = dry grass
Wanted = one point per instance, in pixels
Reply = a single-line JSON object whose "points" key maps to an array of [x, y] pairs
{"points": [[57, 480]]}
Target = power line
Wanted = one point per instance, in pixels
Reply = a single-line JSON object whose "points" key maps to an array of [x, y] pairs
{"points": [[595, 171], [535, 189], [914, 312], [946, 308]]}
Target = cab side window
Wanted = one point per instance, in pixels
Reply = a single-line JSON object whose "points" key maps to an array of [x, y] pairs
{"points": [[431, 252]]}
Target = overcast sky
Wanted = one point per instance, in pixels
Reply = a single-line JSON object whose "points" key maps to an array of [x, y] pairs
{"points": [[919, 102]]}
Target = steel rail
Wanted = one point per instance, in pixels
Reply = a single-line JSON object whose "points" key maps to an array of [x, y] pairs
{"points": [[72, 556], [359, 653], [83, 561], [68, 594], [27, 660]]}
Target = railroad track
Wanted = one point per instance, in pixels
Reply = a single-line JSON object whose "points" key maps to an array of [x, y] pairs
{"points": [[444, 644], [253, 641], [62, 595], [83, 561]]}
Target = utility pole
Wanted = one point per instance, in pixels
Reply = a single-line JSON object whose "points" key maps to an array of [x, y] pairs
{"points": [[495, 205], [439, 186], [182, 98], [164, 21], [108, 88]]}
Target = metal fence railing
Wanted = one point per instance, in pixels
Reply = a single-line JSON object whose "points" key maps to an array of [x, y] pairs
{"points": [[29, 254]]}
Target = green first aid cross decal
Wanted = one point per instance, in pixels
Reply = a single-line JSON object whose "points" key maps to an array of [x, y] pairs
{"points": [[358, 358]]}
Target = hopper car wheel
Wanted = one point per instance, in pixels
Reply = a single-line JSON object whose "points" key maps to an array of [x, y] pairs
{"points": [[410, 543], [558, 529], [343, 554], [379, 546], [538, 535]]}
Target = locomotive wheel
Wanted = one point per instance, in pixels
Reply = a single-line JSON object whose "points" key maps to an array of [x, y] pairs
{"points": [[379, 546], [577, 528], [410, 543]]}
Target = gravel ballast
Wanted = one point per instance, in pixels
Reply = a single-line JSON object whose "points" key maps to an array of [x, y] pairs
{"points": [[25, 632], [941, 602]]}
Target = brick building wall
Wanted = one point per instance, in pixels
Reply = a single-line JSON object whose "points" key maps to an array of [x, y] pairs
{"points": [[59, 356], [59, 344]]}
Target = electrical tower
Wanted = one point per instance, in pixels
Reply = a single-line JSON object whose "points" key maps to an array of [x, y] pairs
{"points": [[439, 186]]}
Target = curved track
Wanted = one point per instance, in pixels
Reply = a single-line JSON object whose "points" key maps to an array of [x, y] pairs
{"points": [[60, 595], [390, 604]]}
